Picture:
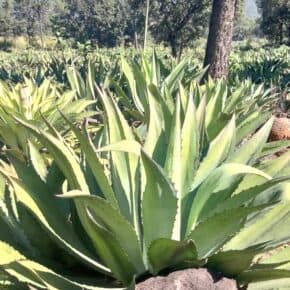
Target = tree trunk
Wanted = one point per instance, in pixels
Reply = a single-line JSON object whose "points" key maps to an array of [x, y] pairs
{"points": [[220, 38], [173, 46]]}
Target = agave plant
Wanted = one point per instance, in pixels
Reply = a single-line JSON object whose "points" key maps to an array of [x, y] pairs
{"points": [[138, 200], [36, 103]]}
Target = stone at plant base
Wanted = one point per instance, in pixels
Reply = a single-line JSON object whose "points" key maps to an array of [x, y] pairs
{"points": [[280, 130], [190, 279]]}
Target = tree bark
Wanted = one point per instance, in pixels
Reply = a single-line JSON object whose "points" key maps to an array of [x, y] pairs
{"points": [[220, 38]]}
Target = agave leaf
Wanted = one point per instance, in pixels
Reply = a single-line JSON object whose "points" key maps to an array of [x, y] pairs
{"points": [[250, 124], [232, 263], [8, 254], [274, 223], [155, 140], [91, 79], [37, 161], [235, 98], [43, 208], [76, 82], [63, 156], [279, 256], [250, 150], [275, 284], [155, 69], [34, 273], [274, 147], [123, 166], [247, 195], [176, 74], [218, 151], [183, 95], [103, 214], [210, 235], [200, 119], [159, 202], [127, 70], [220, 179], [164, 253], [217, 125], [129, 146], [260, 275], [216, 103], [106, 244], [94, 162], [189, 147], [276, 167], [173, 165]]}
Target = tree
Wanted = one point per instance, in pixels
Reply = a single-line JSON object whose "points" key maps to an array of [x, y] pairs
{"points": [[220, 37], [178, 22], [6, 9], [135, 22], [103, 22], [31, 18], [244, 26], [275, 22]]}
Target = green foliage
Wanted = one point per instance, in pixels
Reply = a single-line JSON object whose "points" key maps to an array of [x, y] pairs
{"points": [[275, 20], [179, 23], [180, 165], [268, 66], [102, 22]]}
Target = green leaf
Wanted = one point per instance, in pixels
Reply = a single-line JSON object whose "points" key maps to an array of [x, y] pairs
{"points": [[275, 147], [63, 157], [102, 213], [164, 253], [35, 274], [250, 124], [43, 207], [216, 103], [210, 235], [250, 150], [247, 195], [129, 73], [189, 147], [232, 263], [94, 163], [220, 179], [124, 166], [37, 161], [218, 151], [275, 284], [173, 165], [262, 275], [176, 74], [9, 254], [273, 224], [106, 244], [159, 202]]}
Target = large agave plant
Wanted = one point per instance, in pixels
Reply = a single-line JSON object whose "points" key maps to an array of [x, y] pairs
{"points": [[137, 200]]}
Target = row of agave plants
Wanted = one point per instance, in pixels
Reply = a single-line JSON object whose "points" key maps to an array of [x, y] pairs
{"points": [[104, 186], [270, 66]]}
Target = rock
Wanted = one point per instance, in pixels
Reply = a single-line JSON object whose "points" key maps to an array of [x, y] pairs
{"points": [[280, 129], [190, 279]]}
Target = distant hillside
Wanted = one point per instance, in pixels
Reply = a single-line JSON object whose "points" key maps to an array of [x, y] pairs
{"points": [[251, 9]]}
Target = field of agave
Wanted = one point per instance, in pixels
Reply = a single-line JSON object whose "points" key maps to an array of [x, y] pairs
{"points": [[118, 167]]}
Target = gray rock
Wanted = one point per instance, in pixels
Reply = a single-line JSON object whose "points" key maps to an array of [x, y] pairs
{"points": [[190, 279]]}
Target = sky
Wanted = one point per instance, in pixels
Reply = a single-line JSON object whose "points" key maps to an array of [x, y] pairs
{"points": [[251, 9]]}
